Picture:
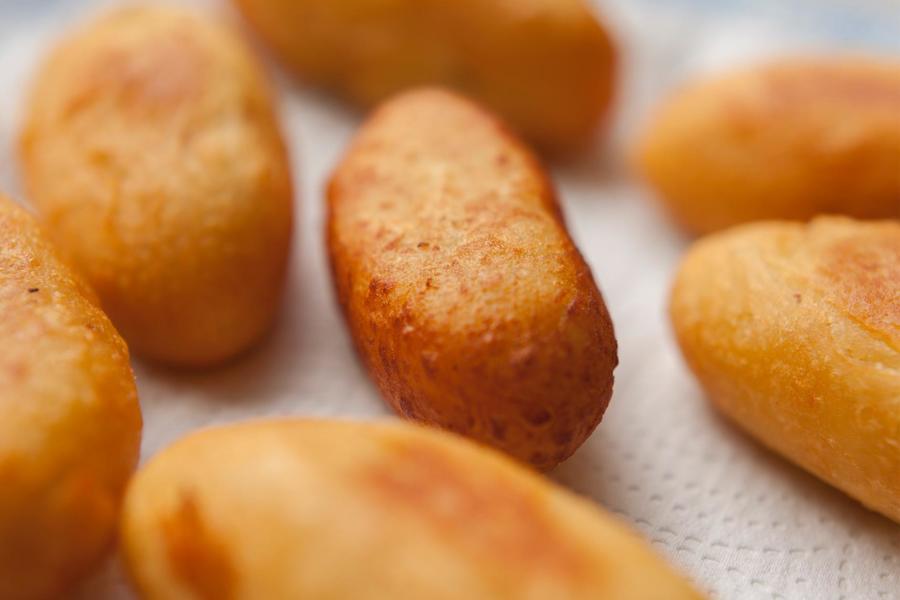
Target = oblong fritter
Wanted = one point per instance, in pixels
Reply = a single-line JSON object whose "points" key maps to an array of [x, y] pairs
{"points": [[369, 511], [464, 293], [152, 152], [794, 332], [70, 423]]}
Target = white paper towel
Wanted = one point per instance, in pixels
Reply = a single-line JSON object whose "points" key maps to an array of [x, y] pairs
{"points": [[740, 521]]}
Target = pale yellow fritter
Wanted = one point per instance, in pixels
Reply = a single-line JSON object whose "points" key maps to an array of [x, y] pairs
{"points": [[70, 423], [546, 66], [153, 155], [794, 332], [782, 140], [467, 299], [370, 511]]}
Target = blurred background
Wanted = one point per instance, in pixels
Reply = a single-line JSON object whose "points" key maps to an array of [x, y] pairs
{"points": [[743, 523]]}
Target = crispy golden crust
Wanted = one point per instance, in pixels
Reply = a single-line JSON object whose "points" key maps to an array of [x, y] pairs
{"points": [[794, 332], [70, 424], [153, 154], [368, 511], [547, 66], [465, 296], [787, 140]]}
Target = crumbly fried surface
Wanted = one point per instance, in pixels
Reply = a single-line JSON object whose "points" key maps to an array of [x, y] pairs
{"points": [[368, 511], [784, 140], [70, 424], [464, 294], [546, 66], [794, 332], [152, 153]]}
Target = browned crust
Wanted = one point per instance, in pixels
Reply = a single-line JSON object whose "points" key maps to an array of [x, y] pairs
{"points": [[195, 555], [548, 67], [862, 272], [152, 151], [70, 423], [297, 508], [794, 332], [788, 139], [443, 493], [465, 296]]}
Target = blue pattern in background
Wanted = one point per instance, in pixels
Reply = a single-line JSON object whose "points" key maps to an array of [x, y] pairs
{"points": [[860, 23]]}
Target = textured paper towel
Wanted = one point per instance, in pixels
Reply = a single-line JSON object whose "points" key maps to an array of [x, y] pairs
{"points": [[740, 521]]}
